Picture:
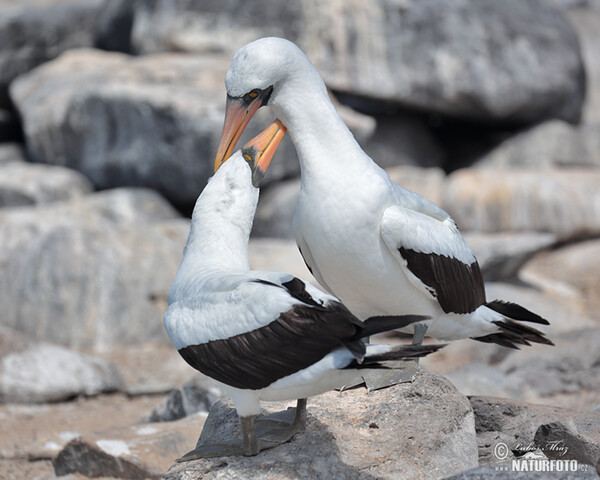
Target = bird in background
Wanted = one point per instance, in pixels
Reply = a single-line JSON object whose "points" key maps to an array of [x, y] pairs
{"points": [[380, 248], [264, 336]]}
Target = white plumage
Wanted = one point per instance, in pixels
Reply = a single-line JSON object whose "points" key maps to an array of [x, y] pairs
{"points": [[262, 335], [380, 248]]}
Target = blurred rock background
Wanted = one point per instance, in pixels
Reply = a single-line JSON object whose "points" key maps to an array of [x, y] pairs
{"points": [[110, 115]]}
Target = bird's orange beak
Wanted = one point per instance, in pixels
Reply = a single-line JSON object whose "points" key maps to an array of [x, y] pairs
{"points": [[238, 112], [259, 151]]}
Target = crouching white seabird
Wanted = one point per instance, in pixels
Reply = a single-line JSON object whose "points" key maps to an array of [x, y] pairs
{"points": [[378, 247], [263, 335]]}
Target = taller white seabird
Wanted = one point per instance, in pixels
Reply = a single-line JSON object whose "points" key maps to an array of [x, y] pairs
{"points": [[262, 335], [380, 248]]}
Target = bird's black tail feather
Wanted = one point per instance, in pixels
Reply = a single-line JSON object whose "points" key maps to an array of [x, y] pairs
{"points": [[380, 324], [396, 353], [514, 333]]}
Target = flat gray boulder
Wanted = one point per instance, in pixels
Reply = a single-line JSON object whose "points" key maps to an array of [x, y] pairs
{"points": [[23, 183], [93, 272], [39, 372], [34, 31], [472, 59], [419, 430], [152, 121], [564, 202]]}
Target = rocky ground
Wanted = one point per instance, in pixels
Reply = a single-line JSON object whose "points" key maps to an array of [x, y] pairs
{"points": [[110, 114]]}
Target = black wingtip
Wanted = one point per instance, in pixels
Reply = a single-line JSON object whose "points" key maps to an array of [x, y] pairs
{"points": [[516, 312], [385, 323], [401, 352]]}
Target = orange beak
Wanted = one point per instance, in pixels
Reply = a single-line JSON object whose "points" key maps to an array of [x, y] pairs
{"points": [[238, 112], [259, 151]]}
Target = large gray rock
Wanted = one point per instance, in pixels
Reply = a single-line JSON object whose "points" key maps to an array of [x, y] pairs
{"points": [[138, 452], [561, 375], [87, 272], [403, 140], [423, 429], [24, 183], [512, 423], [475, 59], [196, 395], [551, 144], [563, 202], [578, 438], [505, 471], [34, 31], [152, 121], [40, 372], [586, 22], [573, 267]]}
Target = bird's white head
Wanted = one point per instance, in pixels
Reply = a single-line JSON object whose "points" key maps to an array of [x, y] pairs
{"points": [[263, 72]]}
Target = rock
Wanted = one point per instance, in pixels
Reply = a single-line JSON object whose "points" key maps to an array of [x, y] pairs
{"points": [[10, 127], [353, 435], [576, 438], [505, 471], [586, 22], [137, 452], [550, 144], [22, 183], [478, 60], [513, 423], [40, 372], [558, 375], [85, 273], [100, 113], [403, 139], [34, 31], [573, 267], [195, 396], [10, 153], [501, 255], [562, 202]]}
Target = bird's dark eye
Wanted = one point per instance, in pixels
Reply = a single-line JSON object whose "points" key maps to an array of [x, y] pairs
{"points": [[253, 94]]}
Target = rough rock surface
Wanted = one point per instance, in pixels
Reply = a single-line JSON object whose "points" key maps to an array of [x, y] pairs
{"points": [[23, 183], [34, 31], [558, 375], [91, 272], [563, 202], [352, 435], [40, 372], [473, 59], [554, 143], [138, 452], [11, 153], [504, 471], [152, 121], [513, 423], [578, 438]]}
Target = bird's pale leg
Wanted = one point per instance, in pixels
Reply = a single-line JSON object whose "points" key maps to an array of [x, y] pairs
{"points": [[250, 443], [280, 427], [419, 330]]}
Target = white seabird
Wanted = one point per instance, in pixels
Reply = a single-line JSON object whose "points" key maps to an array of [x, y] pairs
{"points": [[262, 335], [378, 247]]}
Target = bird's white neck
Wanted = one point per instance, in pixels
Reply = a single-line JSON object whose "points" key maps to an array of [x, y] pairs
{"points": [[323, 141], [222, 220]]}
